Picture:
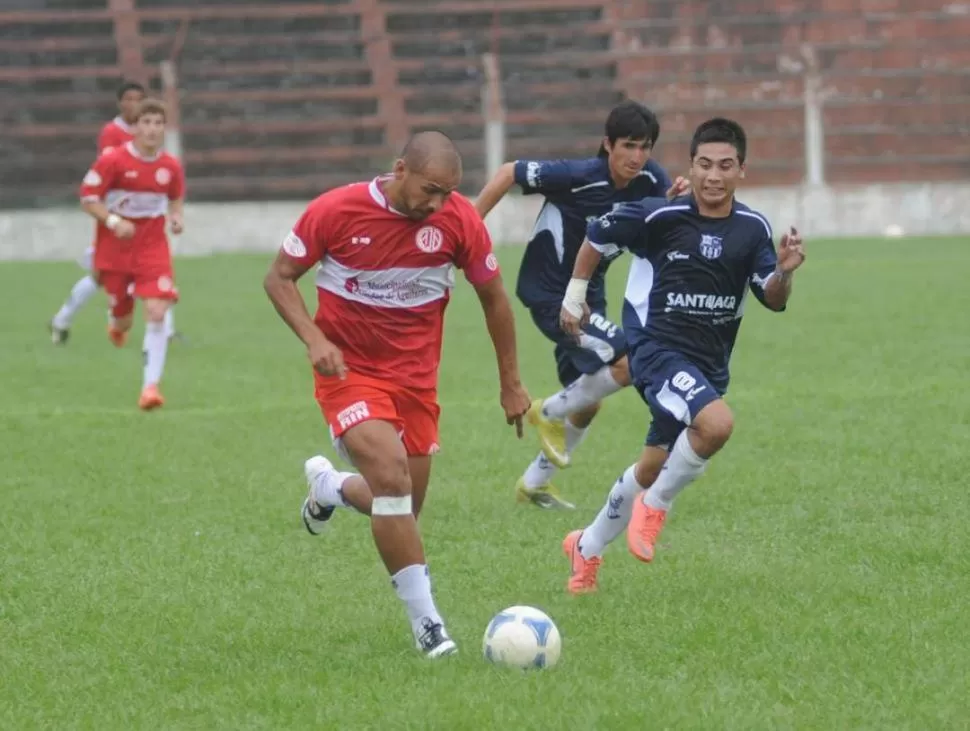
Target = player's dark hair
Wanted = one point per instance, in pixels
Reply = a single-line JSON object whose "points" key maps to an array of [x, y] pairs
{"points": [[129, 86], [720, 130], [630, 119]]}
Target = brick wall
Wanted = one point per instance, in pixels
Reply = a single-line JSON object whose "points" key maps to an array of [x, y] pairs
{"points": [[894, 74]]}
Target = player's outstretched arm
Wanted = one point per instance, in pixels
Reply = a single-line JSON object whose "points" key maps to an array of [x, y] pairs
{"points": [[495, 189], [280, 285], [791, 255], [501, 328]]}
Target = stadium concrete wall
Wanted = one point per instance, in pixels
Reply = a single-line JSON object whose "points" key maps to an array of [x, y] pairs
{"points": [[851, 211]]}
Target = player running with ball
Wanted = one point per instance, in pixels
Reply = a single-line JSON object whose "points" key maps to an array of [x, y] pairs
{"points": [[387, 251], [694, 260]]}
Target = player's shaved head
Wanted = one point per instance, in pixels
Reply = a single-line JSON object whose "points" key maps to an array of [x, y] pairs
{"points": [[431, 150], [426, 173]]}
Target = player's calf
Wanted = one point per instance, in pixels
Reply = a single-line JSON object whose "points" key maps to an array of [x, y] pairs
{"points": [[328, 489], [155, 348], [376, 450]]}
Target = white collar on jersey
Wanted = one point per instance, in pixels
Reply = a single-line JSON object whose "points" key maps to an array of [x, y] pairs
{"points": [[130, 146], [378, 195], [120, 121]]}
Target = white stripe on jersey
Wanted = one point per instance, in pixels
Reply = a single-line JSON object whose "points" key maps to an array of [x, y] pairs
{"points": [[136, 205], [396, 287]]}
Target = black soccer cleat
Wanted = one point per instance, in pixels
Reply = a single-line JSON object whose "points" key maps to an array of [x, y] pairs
{"points": [[58, 336], [434, 641]]}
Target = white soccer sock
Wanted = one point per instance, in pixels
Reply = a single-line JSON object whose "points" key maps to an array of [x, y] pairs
{"points": [[584, 391], [541, 471], [326, 489], [413, 586], [613, 517], [169, 322], [683, 466], [81, 292], [155, 346]]}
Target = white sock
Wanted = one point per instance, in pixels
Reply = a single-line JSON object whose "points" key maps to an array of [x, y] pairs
{"points": [[169, 322], [584, 391], [327, 489], [613, 517], [81, 292], [683, 466], [413, 586], [541, 471], [154, 347]]}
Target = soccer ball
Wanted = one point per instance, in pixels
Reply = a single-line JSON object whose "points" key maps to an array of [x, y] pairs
{"points": [[522, 637]]}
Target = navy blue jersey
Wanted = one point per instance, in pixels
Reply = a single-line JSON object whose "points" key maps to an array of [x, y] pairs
{"points": [[689, 276], [576, 191]]}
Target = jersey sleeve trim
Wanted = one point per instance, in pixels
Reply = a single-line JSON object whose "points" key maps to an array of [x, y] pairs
{"points": [[665, 209], [605, 249]]}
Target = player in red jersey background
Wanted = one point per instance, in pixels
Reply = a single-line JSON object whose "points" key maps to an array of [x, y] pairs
{"points": [[387, 251], [114, 134], [129, 191]]}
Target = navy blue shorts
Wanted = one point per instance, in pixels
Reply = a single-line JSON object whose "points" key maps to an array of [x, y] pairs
{"points": [[675, 390], [602, 343]]}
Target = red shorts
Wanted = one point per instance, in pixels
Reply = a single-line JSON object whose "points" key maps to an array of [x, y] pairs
{"points": [[347, 403], [123, 288]]}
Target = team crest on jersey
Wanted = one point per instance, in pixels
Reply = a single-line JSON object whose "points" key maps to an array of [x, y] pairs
{"points": [[294, 246], [429, 239], [163, 176], [711, 246], [92, 178]]}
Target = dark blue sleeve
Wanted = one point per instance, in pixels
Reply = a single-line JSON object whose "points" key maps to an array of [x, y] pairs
{"points": [[543, 176], [763, 265], [621, 229]]}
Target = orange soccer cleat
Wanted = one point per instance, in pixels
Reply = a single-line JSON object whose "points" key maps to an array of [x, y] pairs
{"points": [[643, 530], [151, 398], [582, 579], [117, 337]]}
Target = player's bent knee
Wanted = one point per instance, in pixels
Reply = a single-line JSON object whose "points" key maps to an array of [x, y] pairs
{"points": [[621, 372], [715, 423], [155, 310]]}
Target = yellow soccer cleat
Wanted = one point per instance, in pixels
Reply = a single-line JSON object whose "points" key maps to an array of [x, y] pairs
{"points": [[552, 435], [545, 496]]}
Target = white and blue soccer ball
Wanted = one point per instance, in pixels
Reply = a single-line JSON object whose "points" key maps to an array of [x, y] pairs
{"points": [[522, 637]]}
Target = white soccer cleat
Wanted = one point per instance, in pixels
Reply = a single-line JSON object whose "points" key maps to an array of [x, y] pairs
{"points": [[314, 515]]}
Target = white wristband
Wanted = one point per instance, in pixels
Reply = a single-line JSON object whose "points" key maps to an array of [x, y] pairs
{"points": [[575, 296], [112, 221]]}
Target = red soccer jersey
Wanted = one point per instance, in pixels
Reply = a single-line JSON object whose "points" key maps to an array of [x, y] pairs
{"points": [[138, 189], [113, 135], [384, 280]]}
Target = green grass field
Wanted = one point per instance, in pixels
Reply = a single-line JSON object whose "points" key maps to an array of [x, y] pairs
{"points": [[154, 573]]}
